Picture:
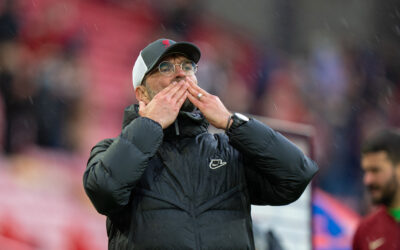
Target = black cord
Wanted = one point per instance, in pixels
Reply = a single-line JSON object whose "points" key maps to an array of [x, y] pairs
{"points": [[227, 125]]}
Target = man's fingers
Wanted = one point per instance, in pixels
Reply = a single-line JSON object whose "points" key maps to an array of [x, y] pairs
{"points": [[166, 91], [197, 88], [192, 91], [182, 99], [142, 105], [195, 93], [172, 89], [179, 92], [194, 100]]}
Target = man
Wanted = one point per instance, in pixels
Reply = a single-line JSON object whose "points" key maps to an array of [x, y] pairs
{"points": [[166, 183], [380, 162]]}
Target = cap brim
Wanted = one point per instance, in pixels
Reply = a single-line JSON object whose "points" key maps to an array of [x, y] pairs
{"points": [[190, 50]]}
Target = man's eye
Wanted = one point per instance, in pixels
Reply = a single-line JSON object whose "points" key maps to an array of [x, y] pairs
{"points": [[187, 66], [165, 67]]}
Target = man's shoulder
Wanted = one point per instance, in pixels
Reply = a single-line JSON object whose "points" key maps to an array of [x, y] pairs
{"points": [[377, 229], [105, 143]]}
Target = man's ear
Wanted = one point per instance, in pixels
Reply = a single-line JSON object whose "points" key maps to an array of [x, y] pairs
{"points": [[142, 94]]}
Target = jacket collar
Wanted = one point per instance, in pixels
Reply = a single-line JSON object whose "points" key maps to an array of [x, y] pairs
{"points": [[187, 124]]}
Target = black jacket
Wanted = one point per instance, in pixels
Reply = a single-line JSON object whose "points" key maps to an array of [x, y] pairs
{"points": [[184, 188]]}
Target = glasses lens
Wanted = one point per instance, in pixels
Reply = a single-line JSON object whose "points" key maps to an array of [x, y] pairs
{"points": [[166, 68], [189, 67]]}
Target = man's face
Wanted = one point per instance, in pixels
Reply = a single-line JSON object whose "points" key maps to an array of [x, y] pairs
{"points": [[155, 81], [380, 177]]}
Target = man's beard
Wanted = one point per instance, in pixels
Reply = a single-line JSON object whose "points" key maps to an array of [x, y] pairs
{"points": [[388, 192], [187, 106]]}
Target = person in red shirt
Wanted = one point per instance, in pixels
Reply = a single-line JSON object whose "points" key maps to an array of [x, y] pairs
{"points": [[380, 161]]}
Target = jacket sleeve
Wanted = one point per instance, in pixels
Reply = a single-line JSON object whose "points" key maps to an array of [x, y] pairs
{"points": [[277, 172], [115, 166]]}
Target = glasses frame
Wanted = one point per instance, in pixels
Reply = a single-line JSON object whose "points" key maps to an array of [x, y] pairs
{"points": [[179, 64]]}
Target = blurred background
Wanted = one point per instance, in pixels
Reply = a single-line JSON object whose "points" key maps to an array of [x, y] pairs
{"points": [[65, 78]]}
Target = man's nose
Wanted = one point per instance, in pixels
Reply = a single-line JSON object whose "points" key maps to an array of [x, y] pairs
{"points": [[367, 179], [179, 71]]}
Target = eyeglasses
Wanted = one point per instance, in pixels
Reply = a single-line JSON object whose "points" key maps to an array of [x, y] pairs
{"points": [[168, 68]]}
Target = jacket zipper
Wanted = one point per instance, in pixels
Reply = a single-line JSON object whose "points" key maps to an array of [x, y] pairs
{"points": [[195, 226], [192, 207]]}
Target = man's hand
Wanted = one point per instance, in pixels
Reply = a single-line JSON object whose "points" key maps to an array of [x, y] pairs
{"points": [[165, 105], [210, 105]]}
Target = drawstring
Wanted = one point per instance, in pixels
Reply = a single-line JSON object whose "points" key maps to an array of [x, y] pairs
{"points": [[176, 127]]}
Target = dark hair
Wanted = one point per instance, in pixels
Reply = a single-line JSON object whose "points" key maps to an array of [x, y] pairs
{"points": [[388, 141]]}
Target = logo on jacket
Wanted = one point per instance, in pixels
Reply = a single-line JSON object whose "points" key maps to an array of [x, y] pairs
{"points": [[376, 243], [216, 163]]}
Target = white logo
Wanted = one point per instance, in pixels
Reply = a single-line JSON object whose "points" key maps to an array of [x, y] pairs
{"points": [[216, 163], [376, 243]]}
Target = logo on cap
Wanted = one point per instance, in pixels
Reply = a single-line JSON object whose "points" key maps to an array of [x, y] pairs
{"points": [[166, 43]]}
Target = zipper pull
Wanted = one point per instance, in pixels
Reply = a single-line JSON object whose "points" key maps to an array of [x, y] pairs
{"points": [[176, 127]]}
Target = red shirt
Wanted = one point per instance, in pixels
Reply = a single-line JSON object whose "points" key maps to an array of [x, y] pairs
{"points": [[379, 231]]}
